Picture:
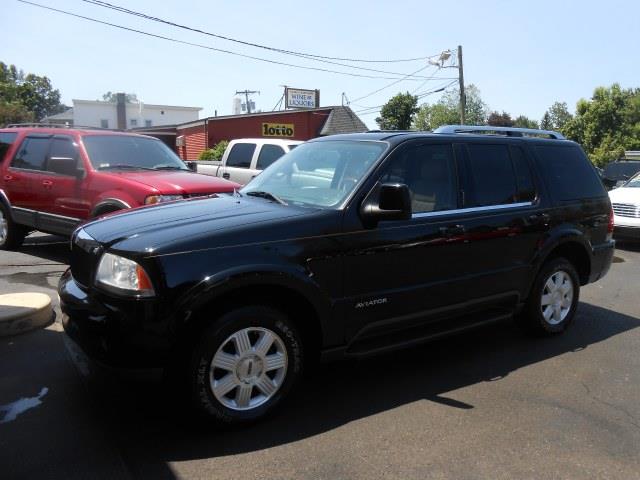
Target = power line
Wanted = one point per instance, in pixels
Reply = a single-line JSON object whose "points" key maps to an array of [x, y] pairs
{"points": [[374, 109], [215, 35], [243, 42], [390, 84], [183, 42]]}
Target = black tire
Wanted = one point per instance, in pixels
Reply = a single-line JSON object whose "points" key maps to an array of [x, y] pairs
{"points": [[533, 316], [11, 234], [216, 337]]}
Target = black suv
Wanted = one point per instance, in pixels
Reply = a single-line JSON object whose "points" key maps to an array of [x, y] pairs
{"points": [[347, 246]]}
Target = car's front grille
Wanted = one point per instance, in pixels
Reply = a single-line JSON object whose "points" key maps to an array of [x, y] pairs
{"points": [[626, 210]]}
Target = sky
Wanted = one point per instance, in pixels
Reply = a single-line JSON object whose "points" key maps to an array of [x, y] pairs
{"points": [[523, 56]]}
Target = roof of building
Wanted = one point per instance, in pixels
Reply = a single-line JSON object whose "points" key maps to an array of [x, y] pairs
{"points": [[342, 120], [145, 105], [66, 115]]}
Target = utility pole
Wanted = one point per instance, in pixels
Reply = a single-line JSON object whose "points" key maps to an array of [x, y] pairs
{"points": [[463, 99], [246, 94]]}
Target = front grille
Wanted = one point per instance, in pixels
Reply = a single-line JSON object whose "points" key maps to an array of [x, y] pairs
{"points": [[193, 195], [85, 252], [626, 210]]}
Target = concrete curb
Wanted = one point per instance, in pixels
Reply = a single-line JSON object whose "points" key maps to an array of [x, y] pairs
{"points": [[23, 312]]}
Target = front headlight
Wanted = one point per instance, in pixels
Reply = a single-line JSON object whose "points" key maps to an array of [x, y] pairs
{"points": [[153, 199], [124, 276]]}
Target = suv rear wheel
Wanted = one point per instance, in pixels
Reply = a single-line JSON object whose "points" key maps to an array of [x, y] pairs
{"points": [[11, 234], [245, 365], [554, 298]]}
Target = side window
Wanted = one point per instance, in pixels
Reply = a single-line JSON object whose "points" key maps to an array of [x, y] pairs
{"points": [[493, 181], [429, 172], [6, 140], [31, 154], [524, 179], [268, 155], [568, 172], [63, 148], [240, 155]]}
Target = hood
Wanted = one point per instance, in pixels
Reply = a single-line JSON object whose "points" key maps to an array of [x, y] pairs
{"points": [[174, 182], [625, 195], [180, 225]]}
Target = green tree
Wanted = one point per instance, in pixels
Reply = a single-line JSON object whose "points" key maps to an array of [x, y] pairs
{"points": [[128, 97], [557, 116], [545, 123], [14, 112], [398, 112], [607, 124], [214, 153], [34, 93], [498, 119], [525, 122], [447, 110]]}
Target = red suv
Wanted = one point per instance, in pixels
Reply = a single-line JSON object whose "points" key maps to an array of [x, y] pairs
{"points": [[53, 179]]}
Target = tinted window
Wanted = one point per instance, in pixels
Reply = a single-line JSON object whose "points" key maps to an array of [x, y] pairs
{"points": [[31, 154], [240, 155], [268, 155], [493, 181], [569, 173], [429, 172], [6, 139], [524, 179], [63, 147], [621, 170]]}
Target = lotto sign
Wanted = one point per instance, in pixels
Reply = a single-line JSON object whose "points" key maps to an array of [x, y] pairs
{"points": [[298, 98], [278, 130]]}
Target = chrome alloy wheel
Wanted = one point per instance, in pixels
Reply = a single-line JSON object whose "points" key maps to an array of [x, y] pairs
{"points": [[4, 228], [248, 368], [557, 297]]}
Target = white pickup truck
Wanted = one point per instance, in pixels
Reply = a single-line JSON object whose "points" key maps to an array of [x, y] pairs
{"points": [[245, 158]]}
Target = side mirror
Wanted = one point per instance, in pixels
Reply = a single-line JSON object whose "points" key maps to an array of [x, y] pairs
{"points": [[64, 166], [193, 166], [387, 201]]}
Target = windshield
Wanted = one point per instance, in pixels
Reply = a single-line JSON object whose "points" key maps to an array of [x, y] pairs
{"points": [[128, 151], [634, 182], [318, 174]]}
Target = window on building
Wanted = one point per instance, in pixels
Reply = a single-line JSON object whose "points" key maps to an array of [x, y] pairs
{"points": [[240, 155], [147, 123], [429, 172], [268, 155], [31, 154], [104, 123], [134, 122], [493, 181]]}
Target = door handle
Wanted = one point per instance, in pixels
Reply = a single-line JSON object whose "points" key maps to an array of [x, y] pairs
{"points": [[452, 230], [8, 178], [226, 176], [540, 218], [47, 183]]}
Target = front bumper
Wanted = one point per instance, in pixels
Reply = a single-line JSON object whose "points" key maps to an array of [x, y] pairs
{"points": [[113, 332]]}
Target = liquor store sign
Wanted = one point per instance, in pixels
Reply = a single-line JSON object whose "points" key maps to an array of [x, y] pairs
{"points": [[278, 130], [298, 98]]}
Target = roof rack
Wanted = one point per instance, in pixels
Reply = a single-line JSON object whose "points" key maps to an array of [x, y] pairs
{"points": [[508, 131], [54, 125]]}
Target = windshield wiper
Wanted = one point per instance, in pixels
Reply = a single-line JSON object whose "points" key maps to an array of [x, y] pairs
{"points": [[169, 167], [123, 166], [267, 195]]}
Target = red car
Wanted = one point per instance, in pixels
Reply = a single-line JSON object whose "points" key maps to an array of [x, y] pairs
{"points": [[53, 179]]}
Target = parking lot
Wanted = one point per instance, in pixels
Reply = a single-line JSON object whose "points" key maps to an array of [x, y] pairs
{"points": [[488, 404]]}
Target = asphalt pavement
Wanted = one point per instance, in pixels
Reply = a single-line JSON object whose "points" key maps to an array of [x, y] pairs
{"points": [[489, 404]]}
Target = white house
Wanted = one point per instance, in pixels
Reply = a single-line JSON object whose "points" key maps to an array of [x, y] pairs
{"points": [[122, 115]]}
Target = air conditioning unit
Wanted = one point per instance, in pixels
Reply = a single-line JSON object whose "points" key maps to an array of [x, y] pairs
{"points": [[180, 141]]}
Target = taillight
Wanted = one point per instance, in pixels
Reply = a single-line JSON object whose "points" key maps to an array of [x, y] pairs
{"points": [[611, 222]]}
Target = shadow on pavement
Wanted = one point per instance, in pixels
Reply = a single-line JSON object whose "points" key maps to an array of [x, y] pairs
{"points": [[47, 247], [153, 431], [628, 245]]}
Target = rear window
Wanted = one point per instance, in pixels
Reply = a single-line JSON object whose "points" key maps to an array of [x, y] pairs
{"points": [[6, 140], [569, 173], [31, 154], [240, 155]]}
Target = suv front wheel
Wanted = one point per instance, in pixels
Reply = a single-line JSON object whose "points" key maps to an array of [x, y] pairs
{"points": [[11, 234], [554, 298], [245, 365]]}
